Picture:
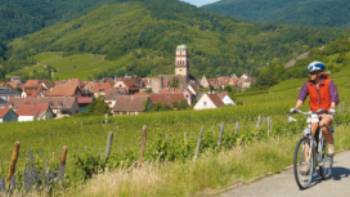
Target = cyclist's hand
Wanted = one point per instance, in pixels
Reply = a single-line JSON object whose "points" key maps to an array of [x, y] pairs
{"points": [[293, 110], [332, 111]]}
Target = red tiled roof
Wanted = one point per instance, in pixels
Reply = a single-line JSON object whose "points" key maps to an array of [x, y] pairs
{"points": [[167, 99], [131, 103], [84, 100], [222, 94], [54, 102], [32, 84], [99, 87], [69, 88], [216, 100], [171, 91], [4, 111], [32, 109]]}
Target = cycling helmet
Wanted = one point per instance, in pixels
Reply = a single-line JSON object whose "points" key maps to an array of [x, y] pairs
{"points": [[316, 66]]}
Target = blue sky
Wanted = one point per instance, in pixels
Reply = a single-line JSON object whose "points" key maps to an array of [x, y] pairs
{"points": [[200, 2]]}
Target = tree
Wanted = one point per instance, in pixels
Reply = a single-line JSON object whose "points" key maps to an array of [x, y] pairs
{"points": [[98, 107]]}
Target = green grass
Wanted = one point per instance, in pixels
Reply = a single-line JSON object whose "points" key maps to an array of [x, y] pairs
{"points": [[87, 136], [83, 66]]}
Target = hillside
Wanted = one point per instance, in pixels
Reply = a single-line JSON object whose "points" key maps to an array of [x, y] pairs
{"points": [[333, 13], [19, 17], [147, 32]]}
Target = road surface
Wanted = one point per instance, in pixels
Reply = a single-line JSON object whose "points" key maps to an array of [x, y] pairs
{"points": [[283, 185]]}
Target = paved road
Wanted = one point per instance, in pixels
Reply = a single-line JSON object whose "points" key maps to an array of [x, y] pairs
{"points": [[283, 185]]}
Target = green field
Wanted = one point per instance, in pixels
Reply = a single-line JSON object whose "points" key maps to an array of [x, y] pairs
{"points": [[86, 136], [83, 66]]}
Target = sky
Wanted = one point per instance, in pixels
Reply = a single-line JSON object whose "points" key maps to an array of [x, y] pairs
{"points": [[200, 2]]}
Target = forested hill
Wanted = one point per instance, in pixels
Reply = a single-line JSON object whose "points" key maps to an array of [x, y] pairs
{"points": [[19, 17], [139, 37], [300, 12]]}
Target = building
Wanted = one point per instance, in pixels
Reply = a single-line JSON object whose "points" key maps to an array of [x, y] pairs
{"points": [[60, 106], [170, 100], [204, 82], [7, 114], [128, 85], [66, 88], [29, 112], [34, 88], [130, 104], [181, 62], [209, 101], [7, 93], [226, 99]]}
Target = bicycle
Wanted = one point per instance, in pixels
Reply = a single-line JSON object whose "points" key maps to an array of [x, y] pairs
{"points": [[310, 154]]}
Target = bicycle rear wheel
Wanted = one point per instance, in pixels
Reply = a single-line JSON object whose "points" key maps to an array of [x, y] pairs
{"points": [[303, 163]]}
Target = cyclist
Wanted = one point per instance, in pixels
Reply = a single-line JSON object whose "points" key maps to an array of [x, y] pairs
{"points": [[323, 95]]}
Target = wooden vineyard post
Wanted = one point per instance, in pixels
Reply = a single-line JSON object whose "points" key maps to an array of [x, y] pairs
{"points": [[63, 161], [143, 145], [237, 128], [258, 122], [13, 163], [269, 126], [109, 146], [221, 134], [198, 146]]}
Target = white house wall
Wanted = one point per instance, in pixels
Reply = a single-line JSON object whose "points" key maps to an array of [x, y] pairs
{"points": [[228, 101], [205, 103], [25, 118]]}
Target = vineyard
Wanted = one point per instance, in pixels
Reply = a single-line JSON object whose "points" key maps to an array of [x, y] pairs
{"points": [[167, 139]]}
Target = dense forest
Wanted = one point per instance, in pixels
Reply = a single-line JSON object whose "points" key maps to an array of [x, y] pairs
{"points": [[20, 17], [333, 13], [140, 36]]}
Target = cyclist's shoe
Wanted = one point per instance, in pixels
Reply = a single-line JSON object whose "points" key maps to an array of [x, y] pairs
{"points": [[330, 150], [305, 170]]}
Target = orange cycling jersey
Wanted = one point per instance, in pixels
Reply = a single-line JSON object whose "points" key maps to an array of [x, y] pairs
{"points": [[321, 94]]}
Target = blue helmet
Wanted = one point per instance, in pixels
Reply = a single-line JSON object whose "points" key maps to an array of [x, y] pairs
{"points": [[316, 66]]}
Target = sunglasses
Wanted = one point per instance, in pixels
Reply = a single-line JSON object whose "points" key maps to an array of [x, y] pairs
{"points": [[314, 73]]}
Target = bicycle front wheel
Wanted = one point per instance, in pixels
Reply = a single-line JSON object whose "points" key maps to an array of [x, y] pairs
{"points": [[303, 163]]}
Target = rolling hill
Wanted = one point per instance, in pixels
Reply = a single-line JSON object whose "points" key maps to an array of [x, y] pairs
{"points": [[332, 13], [20, 17], [140, 36]]}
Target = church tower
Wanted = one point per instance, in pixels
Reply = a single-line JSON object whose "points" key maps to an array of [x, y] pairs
{"points": [[181, 62]]}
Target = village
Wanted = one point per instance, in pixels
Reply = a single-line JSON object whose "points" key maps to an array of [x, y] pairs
{"points": [[33, 100]]}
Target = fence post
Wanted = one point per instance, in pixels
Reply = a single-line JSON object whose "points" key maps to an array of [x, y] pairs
{"points": [[109, 146], [143, 145], [198, 146], [269, 126], [258, 122], [185, 138], [221, 133], [237, 128], [12, 168], [63, 162], [106, 119]]}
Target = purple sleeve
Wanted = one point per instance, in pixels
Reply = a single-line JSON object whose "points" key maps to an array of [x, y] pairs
{"points": [[334, 92], [303, 93]]}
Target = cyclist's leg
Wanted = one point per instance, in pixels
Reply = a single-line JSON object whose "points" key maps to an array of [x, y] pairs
{"points": [[325, 124], [307, 150]]}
